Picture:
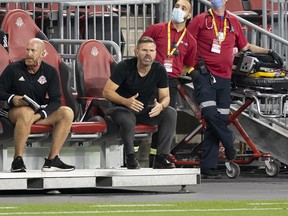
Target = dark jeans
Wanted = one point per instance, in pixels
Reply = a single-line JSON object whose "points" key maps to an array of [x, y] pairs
{"points": [[126, 119], [173, 82], [214, 101]]}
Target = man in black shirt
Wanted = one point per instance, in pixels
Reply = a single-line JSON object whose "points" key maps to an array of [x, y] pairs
{"points": [[39, 81], [132, 88]]}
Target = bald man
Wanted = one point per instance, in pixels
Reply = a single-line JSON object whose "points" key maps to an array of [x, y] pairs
{"points": [[39, 81]]}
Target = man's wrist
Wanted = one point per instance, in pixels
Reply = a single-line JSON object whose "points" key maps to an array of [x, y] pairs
{"points": [[163, 106]]}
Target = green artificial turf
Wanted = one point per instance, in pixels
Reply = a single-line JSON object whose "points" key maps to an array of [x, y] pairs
{"points": [[207, 208]]}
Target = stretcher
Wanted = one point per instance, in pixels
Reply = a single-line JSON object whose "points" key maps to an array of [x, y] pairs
{"points": [[266, 94]]}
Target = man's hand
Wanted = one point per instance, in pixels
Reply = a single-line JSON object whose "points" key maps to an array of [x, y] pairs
{"points": [[17, 101], [276, 57], [134, 104], [156, 110]]}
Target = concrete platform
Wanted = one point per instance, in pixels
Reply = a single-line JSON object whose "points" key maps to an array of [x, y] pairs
{"points": [[93, 178]]}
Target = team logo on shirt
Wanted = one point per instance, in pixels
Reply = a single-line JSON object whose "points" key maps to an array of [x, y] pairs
{"points": [[184, 43], [42, 80], [94, 51]]}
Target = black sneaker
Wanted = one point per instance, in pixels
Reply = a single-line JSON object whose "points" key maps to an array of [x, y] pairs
{"points": [[18, 165], [163, 161], [132, 162], [55, 165], [207, 173]]}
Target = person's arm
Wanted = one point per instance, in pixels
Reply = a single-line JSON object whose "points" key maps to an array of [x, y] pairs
{"points": [[162, 103], [164, 97], [257, 49], [110, 93]]}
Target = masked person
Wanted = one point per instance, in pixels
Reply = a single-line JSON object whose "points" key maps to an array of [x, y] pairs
{"points": [[217, 33], [176, 48]]}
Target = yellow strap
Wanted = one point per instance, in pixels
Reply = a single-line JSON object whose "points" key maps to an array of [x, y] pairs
{"points": [[215, 27], [169, 40]]}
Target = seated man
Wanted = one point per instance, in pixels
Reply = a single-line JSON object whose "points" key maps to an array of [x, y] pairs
{"points": [[39, 81], [131, 88]]}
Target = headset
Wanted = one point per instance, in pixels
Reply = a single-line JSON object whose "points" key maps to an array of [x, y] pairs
{"points": [[210, 27]]}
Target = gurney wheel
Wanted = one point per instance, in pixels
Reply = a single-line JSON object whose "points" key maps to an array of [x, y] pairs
{"points": [[273, 170], [233, 171]]}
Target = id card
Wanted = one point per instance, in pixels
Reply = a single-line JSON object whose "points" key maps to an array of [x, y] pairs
{"points": [[220, 36], [168, 64], [216, 46]]}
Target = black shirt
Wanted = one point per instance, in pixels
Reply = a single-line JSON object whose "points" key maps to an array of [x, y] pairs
{"points": [[130, 82], [43, 86]]}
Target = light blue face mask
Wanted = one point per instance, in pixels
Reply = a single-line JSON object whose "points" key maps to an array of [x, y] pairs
{"points": [[216, 4], [177, 15]]}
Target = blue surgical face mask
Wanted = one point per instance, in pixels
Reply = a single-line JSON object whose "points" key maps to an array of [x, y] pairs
{"points": [[178, 15], [216, 4]]}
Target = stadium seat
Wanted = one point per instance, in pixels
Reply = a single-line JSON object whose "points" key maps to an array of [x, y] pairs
{"points": [[94, 64], [79, 130], [5, 59], [256, 5], [236, 7], [20, 28]]}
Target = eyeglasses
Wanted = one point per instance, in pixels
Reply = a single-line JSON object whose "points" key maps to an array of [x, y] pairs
{"points": [[174, 45]]}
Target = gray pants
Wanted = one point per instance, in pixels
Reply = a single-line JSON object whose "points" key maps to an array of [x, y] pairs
{"points": [[127, 119]]}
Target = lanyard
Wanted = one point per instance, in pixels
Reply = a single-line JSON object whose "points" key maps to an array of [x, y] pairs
{"points": [[169, 40], [215, 27]]}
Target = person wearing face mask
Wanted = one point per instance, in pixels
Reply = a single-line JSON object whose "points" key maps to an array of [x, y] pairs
{"points": [[217, 33], [176, 49]]}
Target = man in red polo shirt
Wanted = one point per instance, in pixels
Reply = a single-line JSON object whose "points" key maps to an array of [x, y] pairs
{"points": [[217, 33], [176, 49]]}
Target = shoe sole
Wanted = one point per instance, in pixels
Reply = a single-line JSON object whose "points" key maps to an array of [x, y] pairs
{"points": [[170, 167], [130, 167], [18, 170], [56, 169]]}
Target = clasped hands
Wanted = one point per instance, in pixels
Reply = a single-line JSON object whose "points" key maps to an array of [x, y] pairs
{"points": [[138, 106]]}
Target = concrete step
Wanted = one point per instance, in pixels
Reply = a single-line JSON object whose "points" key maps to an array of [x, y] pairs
{"points": [[91, 178]]}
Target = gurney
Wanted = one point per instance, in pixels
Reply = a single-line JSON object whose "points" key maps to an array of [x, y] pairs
{"points": [[260, 86]]}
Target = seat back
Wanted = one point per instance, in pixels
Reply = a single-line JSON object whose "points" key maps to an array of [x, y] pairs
{"points": [[5, 59], [53, 58], [93, 68], [20, 28], [235, 5], [257, 5]]}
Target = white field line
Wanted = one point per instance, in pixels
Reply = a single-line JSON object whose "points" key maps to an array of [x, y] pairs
{"points": [[131, 205], [8, 207], [267, 203], [143, 211]]}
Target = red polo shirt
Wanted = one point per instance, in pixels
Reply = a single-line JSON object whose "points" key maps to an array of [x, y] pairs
{"points": [[187, 47], [201, 28]]}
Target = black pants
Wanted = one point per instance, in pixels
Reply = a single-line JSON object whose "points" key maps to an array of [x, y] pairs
{"points": [[173, 82], [214, 101], [126, 119]]}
